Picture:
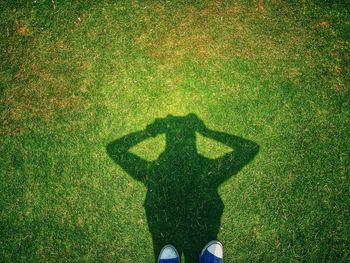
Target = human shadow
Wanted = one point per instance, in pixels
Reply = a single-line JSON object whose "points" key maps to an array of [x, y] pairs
{"points": [[182, 204]]}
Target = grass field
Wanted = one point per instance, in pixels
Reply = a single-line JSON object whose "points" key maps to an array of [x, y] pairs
{"points": [[77, 77]]}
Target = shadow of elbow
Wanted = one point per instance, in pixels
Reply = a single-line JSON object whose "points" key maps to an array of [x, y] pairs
{"points": [[113, 151], [253, 150], [109, 149]]}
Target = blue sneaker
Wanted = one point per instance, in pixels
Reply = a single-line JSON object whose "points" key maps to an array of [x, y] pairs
{"points": [[212, 253], [168, 254]]}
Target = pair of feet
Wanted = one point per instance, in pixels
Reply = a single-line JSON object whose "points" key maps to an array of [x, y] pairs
{"points": [[211, 253]]}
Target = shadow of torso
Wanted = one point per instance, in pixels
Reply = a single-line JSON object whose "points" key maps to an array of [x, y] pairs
{"points": [[182, 204]]}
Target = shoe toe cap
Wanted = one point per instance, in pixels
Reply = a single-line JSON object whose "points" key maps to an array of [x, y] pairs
{"points": [[168, 252], [216, 250]]}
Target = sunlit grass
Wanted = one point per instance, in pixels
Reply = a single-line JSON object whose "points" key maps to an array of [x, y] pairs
{"points": [[75, 77]]}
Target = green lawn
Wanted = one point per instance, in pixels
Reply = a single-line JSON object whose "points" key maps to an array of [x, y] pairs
{"points": [[94, 93]]}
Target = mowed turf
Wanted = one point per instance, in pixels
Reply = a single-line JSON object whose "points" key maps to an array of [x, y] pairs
{"points": [[77, 76]]}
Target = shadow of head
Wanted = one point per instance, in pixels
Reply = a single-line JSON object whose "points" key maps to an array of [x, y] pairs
{"points": [[180, 132]]}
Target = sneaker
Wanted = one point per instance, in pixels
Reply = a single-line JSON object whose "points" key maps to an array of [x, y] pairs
{"points": [[212, 253], [168, 254]]}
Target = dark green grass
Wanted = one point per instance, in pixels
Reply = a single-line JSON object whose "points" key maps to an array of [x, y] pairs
{"points": [[76, 77]]}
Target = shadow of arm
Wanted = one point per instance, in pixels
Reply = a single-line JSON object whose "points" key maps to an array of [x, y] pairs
{"points": [[134, 165], [243, 151]]}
